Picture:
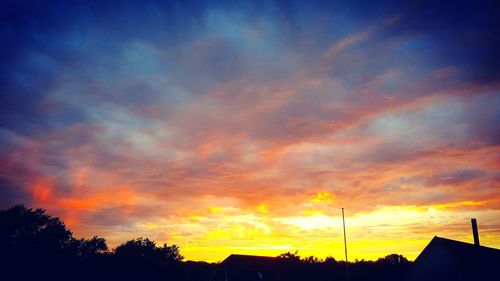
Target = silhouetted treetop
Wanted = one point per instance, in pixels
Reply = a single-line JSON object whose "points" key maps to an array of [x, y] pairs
{"points": [[330, 260], [393, 259], [27, 229], [311, 259], [294, 257], [143, 249], [91, 247], [290, 256]]}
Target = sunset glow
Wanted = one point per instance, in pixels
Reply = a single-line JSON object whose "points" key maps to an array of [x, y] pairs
{"points": [[232, 127]]}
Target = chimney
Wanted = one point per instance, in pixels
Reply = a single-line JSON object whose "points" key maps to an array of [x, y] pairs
{"points": [[474, 232]]}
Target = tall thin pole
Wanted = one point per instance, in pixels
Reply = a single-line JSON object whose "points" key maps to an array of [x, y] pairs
{"points": [[345, 247]]}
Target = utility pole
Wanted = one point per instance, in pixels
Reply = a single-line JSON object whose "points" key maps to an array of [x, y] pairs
{"points": [[345, 247]]}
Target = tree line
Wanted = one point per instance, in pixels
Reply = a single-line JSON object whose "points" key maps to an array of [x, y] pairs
{"points": [[37, 246]]}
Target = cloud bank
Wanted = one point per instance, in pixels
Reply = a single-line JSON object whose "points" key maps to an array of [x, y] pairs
{"points": [[244, 127]]}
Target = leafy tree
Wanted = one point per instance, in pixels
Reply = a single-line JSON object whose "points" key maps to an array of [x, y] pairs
{"points": [[143, 249], [91, 247], [172, 252], [290, 256], [394, 259], [311, 260], [330, 260], [23, 229]]}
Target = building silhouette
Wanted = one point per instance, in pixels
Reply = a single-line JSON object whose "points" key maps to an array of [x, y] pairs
{"points": [[446, 259], [248, 268]]}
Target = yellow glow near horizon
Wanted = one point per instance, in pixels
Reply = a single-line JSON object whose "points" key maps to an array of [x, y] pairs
{"points": [[370, 235]]}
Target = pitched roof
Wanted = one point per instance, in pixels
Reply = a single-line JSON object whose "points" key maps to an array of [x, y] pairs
{"points": [[458, 249], [248, 268], [446, 259], [250, 262]]}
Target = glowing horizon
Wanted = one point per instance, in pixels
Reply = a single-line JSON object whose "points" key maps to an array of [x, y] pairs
{"points": [[236, 127]]}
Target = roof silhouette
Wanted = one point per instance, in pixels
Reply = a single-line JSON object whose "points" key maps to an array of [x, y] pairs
{"points": [[247, 261], [245, 267], [446, 259]]}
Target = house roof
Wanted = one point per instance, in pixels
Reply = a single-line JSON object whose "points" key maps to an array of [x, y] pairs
{"points": [[458, 249], [446, 259], [250, 262], [248, 268]]}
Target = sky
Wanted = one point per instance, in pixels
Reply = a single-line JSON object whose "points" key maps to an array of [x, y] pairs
{"points": [[245, 126]]}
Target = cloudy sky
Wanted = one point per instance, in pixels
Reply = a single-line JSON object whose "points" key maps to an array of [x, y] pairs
{"points": [[244, 127]]}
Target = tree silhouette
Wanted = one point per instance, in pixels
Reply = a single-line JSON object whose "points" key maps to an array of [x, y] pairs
{"points": [[145, 250], [289, 256], [27, 230], [330, 260], [90, 247], [311, 259], [34, 245], [394, 259]]}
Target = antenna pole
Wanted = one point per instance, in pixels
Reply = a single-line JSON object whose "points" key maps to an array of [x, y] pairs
{"points": [[345, 247]]}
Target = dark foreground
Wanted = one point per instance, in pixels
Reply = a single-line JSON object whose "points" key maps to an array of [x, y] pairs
{"points": [[108, 267], [37, 246]]}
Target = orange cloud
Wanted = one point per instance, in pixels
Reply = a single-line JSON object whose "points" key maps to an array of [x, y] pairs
{"points": [[42, 190]]}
